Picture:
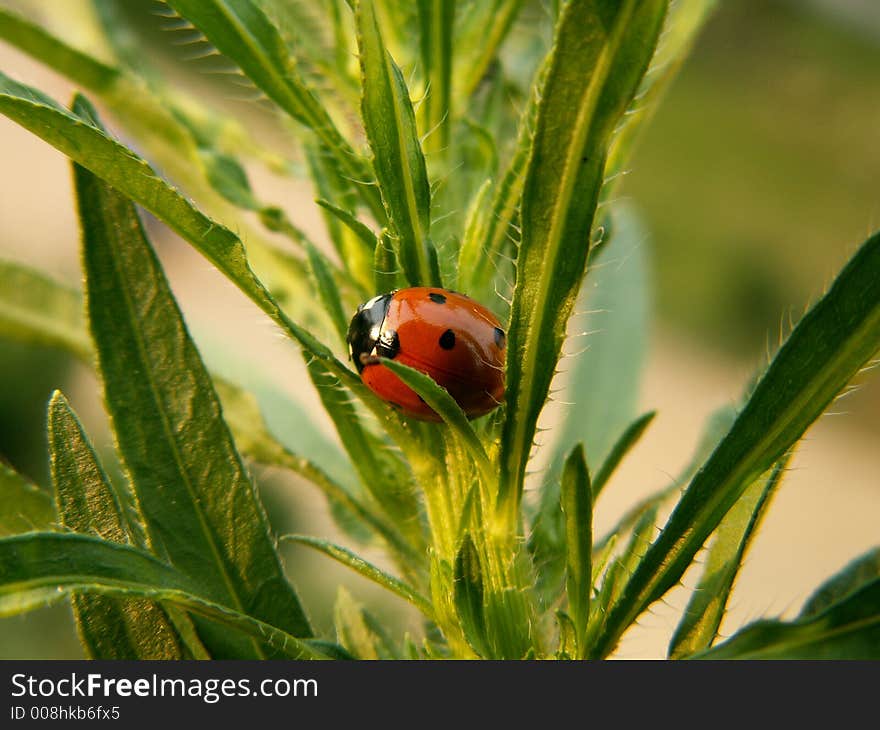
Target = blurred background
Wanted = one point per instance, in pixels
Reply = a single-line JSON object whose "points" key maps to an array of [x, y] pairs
{"points": [[757, 179]]}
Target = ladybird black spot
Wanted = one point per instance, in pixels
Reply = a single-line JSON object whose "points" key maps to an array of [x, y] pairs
{"points": [[500, 338], [447, 340], [388, 344], [437, 298]]}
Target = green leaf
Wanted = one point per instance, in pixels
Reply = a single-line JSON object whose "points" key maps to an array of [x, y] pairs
{"points": [[357, 631], [109, 628], [856, 574], [385, 269], [252, 436], [629, 438], [436, 23], [346, 232], [683, 23], [84, 70], [827, 348], [615, 323], [483, 28], [198, 503], [846, 629], [240, 30], [468, 597], [547, 541], [367, 570], [38, 568], [327, 290], [494, 232], [188, 139], [600, 54], [444, 405], [362, 231], [619, 572], [34, 308], [698, 628], [24, 507], [383, 474], [717, 426], [398, 160], [77, 136], [577, 506]]}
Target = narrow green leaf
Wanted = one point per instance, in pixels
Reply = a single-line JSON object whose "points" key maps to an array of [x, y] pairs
{"points": [[367, 570], [34, 308], [480, 259], [856, 574], [846, 629], [468, 597], [383, 474], [357, 631], [600, 54], [577, 506], [604, 378], [567, 644], [87, 503], [385, 268], [38, 568], [240, 30], [24, 507], [717, 426], [618, 574], [471, 250], [444, 405], [77, 136], [698, 628], [547, 540], [398, 160], [629, 438], [483, 28], [827, 348], [35, 40], [198, 503], [361, 230], [253, 437], [327, 290], [683, 23], [436, 23], [346, 235], [385, 647], [190, 141]]}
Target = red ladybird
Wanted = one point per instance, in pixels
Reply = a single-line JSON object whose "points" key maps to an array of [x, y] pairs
{"points": [[456, 341]]}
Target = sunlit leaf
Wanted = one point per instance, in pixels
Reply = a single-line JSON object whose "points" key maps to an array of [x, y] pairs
{"points": [[197, 500], [829, 345], [600, 53], [109, 628], [698, 628]]}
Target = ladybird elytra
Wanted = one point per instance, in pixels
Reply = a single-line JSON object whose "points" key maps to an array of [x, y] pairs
{"points": [[448, 336]]}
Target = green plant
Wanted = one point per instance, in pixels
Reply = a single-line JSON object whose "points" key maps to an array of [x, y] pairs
{"points": [[509, 202]]}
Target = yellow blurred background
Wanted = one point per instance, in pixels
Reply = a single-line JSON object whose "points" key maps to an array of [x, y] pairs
{"points": [[758, 178]]}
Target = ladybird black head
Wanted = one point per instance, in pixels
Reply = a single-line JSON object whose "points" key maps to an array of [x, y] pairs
{"points": [[366, 328]]}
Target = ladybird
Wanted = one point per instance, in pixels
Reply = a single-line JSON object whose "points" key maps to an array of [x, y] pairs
{"points": [[450, 337]]}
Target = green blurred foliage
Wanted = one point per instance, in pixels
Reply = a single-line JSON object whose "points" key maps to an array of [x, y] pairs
{"points": [[760, 172]]}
